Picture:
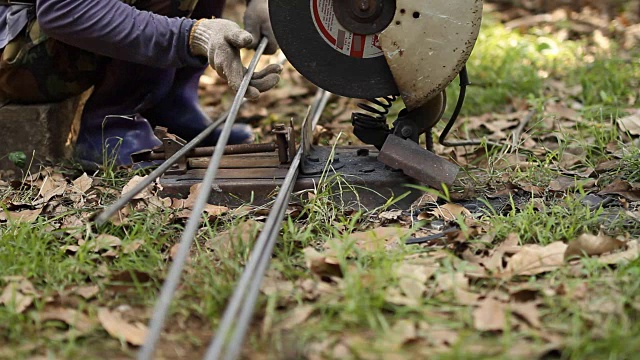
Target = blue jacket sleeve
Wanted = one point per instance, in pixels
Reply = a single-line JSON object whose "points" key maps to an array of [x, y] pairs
{"points": [[114, 29]]}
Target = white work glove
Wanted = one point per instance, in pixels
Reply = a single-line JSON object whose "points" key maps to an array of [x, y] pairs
{"points": [[258, 23], [220, 41]]}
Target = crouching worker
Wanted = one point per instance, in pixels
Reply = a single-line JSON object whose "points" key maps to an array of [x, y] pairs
{"points": [[143, 57]]}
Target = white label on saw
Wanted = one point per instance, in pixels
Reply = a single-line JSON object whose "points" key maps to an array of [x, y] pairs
{"points": [[344, 41]]}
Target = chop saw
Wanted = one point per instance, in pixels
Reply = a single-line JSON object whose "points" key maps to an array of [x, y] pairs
{"points": [[379, 50]]}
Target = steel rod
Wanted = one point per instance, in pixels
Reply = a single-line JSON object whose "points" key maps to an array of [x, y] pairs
{"points": [[324, 100], [238, 314], [270, 239], [228, 150], [171, 283]]}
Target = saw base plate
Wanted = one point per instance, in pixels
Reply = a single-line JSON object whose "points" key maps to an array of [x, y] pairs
{"points": [[362, 182]]}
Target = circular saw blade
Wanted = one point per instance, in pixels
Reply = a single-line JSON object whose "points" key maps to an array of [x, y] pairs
{"points": [[328, 55]]}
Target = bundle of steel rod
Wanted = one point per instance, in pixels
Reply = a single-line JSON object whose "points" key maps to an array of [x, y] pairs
{"points": [[237, 317]]}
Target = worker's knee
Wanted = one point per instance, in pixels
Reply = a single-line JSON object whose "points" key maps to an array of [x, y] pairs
{"points": [[37, 69]]}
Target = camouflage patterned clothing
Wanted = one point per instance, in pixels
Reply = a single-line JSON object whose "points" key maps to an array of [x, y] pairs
{"points": [[35, 68]]}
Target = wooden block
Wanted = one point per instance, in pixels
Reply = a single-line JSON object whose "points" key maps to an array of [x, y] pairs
{"points": [[41, 132]]}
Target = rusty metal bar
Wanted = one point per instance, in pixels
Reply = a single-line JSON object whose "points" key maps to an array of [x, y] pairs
{"points": [[170, 285], [228, 150]]}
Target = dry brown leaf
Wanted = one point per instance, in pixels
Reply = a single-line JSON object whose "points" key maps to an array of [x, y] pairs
{"points": [[119, 328], [51, 187], [490, 315], [79, 323], [536, 259], [87, 292], [395, 296], [442, 338], [103, 242], [321, 265], [242, 234], [451, 281], [190, 201], [71, 222], [18, 294], [464, 297], [121, 217], [622, 188], [132, 246], [412, 279], [413, 289], [632, 253], [562, 183], [173, 252], [214, 210], [425, 199], [297, 317], [158, 202], [630, 123], [390, 215], [450, 212], [82, 184], [402, 332], [24, 216], [185, 206], [146, 193], [528, 311], [273, 284], [70, 248], [509, 246], [591, 245], [562, 111], [379, 238], [570, 160], [419, 272]]}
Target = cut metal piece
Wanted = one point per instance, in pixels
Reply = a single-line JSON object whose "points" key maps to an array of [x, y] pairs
{"points": [[327, 54], [417, 162], [283, 134], [428, 43]]}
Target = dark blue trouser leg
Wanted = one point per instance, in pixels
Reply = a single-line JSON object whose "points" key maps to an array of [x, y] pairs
{"points": [[111, 126], [180, 112]]}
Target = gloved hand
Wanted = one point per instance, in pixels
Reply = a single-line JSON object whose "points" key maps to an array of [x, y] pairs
{"points": [[220, 41], [257, 22]]}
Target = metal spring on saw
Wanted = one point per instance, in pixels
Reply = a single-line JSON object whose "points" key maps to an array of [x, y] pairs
{"points": [[378, 113]]}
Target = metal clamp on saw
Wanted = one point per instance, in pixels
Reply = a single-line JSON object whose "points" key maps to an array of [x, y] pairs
{"points": [[382, 50]]}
